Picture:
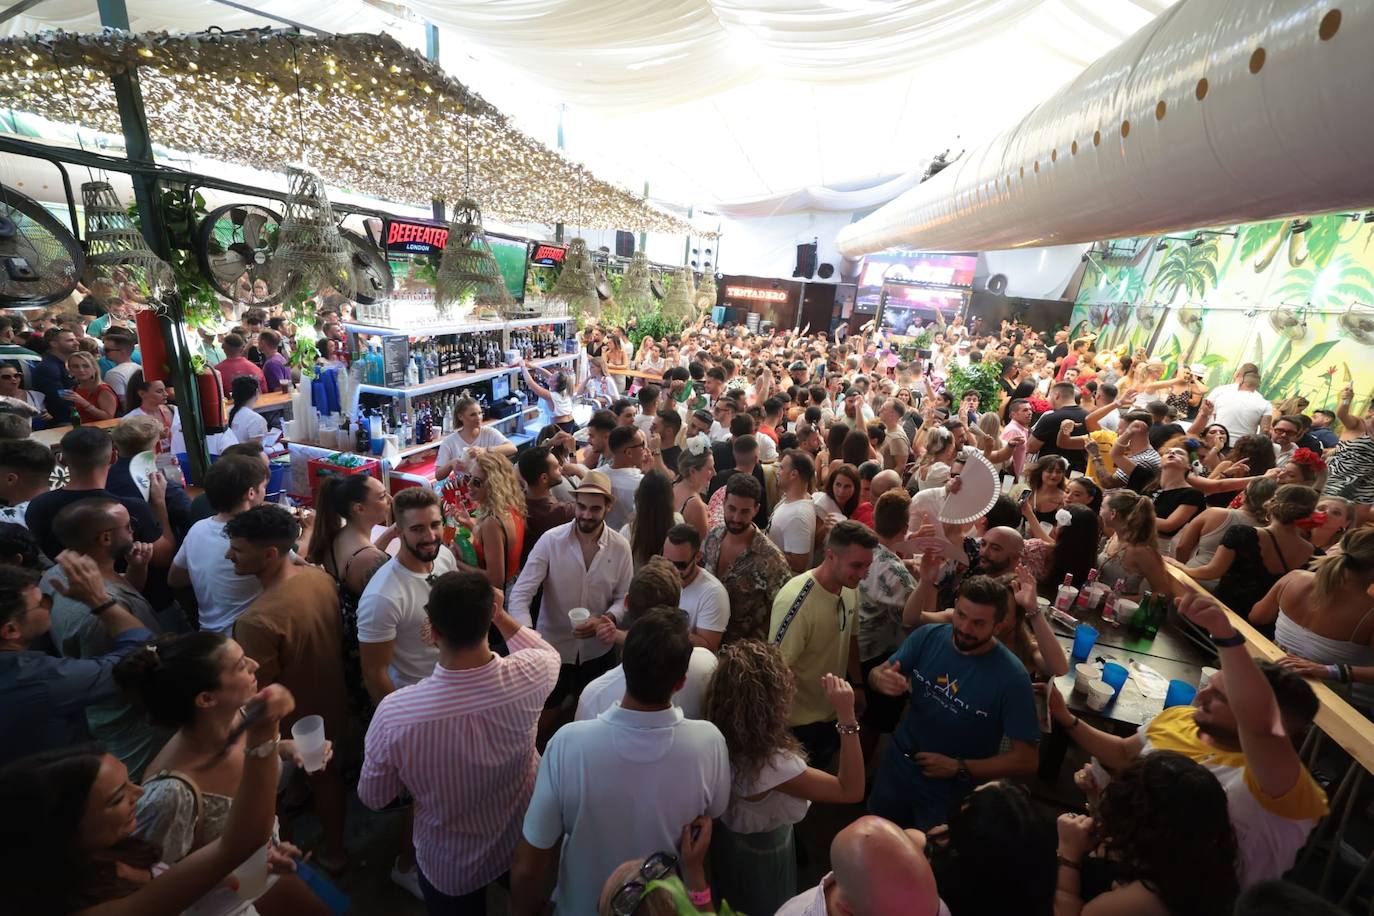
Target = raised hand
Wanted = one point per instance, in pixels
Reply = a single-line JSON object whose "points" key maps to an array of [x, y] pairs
{"points": [[841, 696], [888, 679], [84, 581]]}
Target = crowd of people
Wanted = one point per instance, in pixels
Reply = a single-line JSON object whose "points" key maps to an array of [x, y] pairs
{"points": [[731, 595]]}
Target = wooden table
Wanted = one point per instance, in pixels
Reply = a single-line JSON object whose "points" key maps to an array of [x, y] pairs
{"points": [[52, 436]]}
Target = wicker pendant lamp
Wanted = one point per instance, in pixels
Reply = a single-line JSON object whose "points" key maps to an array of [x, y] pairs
{"points": [[635, 296], [468, 274], [115, 246], [576, 284], [681, 301], [311, 255]]}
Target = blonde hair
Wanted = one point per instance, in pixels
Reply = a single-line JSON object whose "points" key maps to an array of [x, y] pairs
{"points": [[90, 360], [1357, 555], [136, 434], [990, 424], [1136, 525], [504, 495]]}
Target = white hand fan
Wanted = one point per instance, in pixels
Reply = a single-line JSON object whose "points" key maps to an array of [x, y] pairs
{"points": [[977, 491]]}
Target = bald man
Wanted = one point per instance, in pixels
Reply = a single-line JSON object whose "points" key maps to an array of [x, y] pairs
{"points": [[879, 870], [999, 552], [885, 480]]}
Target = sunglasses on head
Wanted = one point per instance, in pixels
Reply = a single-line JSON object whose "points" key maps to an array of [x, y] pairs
{"points": [[626, 900]]}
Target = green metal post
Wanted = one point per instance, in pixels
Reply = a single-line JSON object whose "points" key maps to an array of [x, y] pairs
{"points": [[139, 148]]}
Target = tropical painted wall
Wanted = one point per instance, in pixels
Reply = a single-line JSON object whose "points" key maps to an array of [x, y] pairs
{"points": [[1295, 297]]}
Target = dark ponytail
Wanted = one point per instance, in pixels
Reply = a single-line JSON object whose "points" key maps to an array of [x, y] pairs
{"points": [[242, 389], [166, 677], [335, 498]]}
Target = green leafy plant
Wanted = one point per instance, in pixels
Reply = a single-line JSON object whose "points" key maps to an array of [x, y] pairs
{"points": [[979, 377], [655, 324], [923, 340], [182, 212], [303, 358]]}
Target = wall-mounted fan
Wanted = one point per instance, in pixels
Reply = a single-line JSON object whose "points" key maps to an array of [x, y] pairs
{"points": [[40, 261], [234, 246], [367, 270], [1288, 323], [1146, 314], [1357, 323], [1190, 317], [997, 283]]}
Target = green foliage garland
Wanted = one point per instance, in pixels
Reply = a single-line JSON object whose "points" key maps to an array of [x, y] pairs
{"points": [[980, 377]]}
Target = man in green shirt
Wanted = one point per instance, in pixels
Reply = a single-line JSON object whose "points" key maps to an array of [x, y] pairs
{"points": [[814, 626]]}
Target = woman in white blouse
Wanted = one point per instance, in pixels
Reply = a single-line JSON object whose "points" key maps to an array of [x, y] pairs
{"points": [[470, 434], [245, 422]]}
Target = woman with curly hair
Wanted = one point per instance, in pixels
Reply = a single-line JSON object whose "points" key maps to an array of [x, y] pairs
{"points": [[753, 860], [1167, 832], [498, 531]]}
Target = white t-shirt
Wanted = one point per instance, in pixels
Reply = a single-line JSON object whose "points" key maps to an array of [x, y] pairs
{"points": [[118, 377], [624, 483], [679, 763], [248, 424], [720, 433], [392, 607], [793, 526], [706, 602], [775, 808], [454, 446], [606, 691], [221, 593], [1239, 411]]}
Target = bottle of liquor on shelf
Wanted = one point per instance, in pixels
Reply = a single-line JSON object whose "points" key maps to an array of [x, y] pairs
{"points": [[470, 357]]}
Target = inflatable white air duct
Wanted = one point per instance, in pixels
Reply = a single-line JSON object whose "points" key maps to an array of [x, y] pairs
{"points": [[1217, 112]]}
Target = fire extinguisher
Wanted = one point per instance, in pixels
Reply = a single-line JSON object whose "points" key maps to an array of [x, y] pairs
{"points": [[211, 390], [152, 345]]}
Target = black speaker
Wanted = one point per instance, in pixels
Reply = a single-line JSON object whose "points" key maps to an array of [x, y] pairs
{"points": [[825, 271], [806, 260], [624, 244]]}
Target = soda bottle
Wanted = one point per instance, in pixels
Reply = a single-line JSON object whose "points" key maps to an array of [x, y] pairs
{"points": [[1159, 608], [1142, 613]]}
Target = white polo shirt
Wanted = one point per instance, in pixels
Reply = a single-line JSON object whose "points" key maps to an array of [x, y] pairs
{"points": [[606, 691], [706, 602], [793, 526], [624, 483], [621, 786]]}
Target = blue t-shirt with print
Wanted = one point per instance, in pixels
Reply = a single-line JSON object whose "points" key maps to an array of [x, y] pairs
{"points": [[962, 705]]}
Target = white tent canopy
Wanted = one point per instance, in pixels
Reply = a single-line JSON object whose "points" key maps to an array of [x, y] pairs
{"points": [[722, 101]]}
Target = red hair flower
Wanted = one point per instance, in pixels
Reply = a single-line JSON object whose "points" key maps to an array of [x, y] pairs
{"points": [[1309, 459], [1313, 521]]}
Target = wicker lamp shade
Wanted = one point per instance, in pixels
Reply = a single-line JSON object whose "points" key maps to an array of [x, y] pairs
{"points": [[576, 284], [681, 301], [115, 246], [311, 255], [706, 292], [468, 273], [635, 296]]}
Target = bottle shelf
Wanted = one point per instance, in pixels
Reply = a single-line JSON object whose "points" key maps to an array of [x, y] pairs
{"points": [[457, 379], [466, 327]]}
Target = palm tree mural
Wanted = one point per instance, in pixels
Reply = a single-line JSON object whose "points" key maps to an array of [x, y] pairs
{"points": [[1187, 267], [1335, 286]]}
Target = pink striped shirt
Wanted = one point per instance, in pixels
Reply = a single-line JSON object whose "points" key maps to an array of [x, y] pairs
{"points": [[462, 742]]}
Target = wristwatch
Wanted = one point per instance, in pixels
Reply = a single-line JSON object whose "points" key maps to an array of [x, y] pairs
{"points": [[962, 772]]}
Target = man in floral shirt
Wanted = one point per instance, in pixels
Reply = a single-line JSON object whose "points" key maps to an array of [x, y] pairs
{"points": [[746, 562], [882, 596]]}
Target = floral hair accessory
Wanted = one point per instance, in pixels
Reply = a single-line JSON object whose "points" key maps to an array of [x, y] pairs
{"points": [[697, 445], [1313, 521], [1063, 518], [1308, 459]]}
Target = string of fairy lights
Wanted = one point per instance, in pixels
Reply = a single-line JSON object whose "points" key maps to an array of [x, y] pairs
{"points": [[370, 115]]}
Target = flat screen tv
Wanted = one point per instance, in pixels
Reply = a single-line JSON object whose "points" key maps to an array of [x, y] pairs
{"points": [[512, 256], [905, 310], [911, 268]]}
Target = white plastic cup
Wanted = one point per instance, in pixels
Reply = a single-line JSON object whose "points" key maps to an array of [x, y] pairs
{"points": [[1084, 675], [308, 733], [579, 616], [252, 874], [1125, 610], [1206, 677], [1100, 693]]}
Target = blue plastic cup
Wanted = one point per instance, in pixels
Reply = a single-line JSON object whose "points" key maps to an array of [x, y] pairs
{"points": [[1180, 693], [1115, 675], [1084, 638]]}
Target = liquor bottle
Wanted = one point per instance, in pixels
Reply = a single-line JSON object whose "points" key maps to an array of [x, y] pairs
{"points": [[1142, 613], [1086, 595], [1109, 605], [470, 359]]}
